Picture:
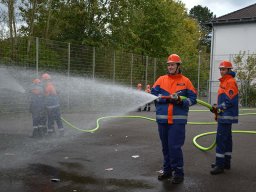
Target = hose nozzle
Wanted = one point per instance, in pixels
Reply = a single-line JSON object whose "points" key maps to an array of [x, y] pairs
{"points": [[172, 96]]}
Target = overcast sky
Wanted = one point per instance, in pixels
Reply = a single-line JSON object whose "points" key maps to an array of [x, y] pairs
{"points": [[219, 7]]}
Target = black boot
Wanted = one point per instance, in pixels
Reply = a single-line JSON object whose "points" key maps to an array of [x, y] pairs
{"points": [[44, 130], [35, 132], [217, 170], [226, 166], [164, 176], [149, 109], [145, 109], [177, 179], [40, 132]]}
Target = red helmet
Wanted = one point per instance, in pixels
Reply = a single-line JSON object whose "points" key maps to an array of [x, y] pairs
{"points": [[46, 76], [36, 81], [174, 58], [225, 64]]}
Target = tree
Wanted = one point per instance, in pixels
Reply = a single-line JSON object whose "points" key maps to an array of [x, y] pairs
{"points": [[28, 12], [11, 23], [154, 28], [204, 16], [246, 73]]}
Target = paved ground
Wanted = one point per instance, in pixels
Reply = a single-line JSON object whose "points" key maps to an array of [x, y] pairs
{"points": [[80, 160]]}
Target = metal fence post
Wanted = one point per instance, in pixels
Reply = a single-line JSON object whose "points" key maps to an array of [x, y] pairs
{"points": [[37, 55], [68, 75], [93, 63], [154, 69], [146, 72], [131, 69], [114, 66]]}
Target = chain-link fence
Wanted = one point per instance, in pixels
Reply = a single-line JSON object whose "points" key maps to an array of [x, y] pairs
{"points": [[29, 58], [34, 56], [71, 59]]}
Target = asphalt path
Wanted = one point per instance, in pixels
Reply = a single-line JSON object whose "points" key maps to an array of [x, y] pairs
{"points": [[123, 155]]}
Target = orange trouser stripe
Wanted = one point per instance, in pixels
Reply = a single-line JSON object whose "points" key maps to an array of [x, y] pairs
{"points": [[170, 114]]}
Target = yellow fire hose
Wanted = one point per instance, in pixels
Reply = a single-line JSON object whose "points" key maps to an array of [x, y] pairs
{"points": [[151, 119]]}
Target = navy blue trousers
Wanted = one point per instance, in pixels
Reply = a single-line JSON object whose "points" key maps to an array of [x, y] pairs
{"points": [[38, 118], [223, 144], [172, 138], [54, 115]]}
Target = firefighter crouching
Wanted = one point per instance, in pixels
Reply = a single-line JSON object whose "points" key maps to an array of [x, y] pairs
{"points": [[52, 105], [37, 108]]}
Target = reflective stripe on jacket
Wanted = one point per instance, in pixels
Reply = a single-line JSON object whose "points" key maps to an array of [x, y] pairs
{"points": [[172, 112], [228, 99]]}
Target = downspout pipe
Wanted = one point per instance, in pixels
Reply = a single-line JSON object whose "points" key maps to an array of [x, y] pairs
{"points": [[211, 65]]}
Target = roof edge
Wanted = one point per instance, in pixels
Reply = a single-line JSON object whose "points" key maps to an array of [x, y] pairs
{"points": [[232, 21], [235, 11]]}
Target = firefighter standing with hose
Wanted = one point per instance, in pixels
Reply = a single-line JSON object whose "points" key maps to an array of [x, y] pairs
{"points": [[226, 113], [171, 117], [52, 105], [37, 109]]}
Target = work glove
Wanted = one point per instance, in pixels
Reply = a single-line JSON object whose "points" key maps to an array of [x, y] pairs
{"points": [[176, 98], [214, 109]]}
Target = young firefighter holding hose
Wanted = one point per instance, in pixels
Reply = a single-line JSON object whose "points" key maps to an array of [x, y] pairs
{"points": [[37, 109], [171, 116], [226, 113], [52, 104]]}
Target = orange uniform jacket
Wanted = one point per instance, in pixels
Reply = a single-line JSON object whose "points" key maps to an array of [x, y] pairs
{"points": [[228, 99], [51, 97], [170, 111]]}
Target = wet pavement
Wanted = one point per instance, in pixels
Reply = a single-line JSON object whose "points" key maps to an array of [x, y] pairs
{"points": [[123, 155]]}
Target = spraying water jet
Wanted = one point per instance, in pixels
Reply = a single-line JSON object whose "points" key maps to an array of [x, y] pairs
{"points": [[8, 82]]}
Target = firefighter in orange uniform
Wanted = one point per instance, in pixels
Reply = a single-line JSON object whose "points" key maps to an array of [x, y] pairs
{"points": [[171, 117], [226, 113], [52, 105], [139, 88], [37, 108], [147, 106]]}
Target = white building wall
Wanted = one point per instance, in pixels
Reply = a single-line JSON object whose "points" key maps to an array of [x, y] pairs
{"points": [[228, 40]]}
